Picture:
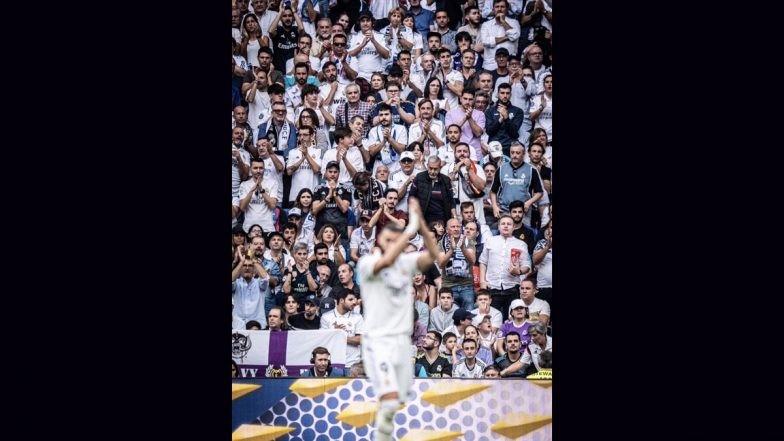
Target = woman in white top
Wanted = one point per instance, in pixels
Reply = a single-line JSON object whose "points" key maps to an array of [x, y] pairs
{"points": [[398, 36], [542, 108], [418, 150], [417, 43], [251, 39], [304, 202], [329, 235]]}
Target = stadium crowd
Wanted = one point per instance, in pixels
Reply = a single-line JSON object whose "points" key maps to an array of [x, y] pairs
{"points": [[342, 110]]}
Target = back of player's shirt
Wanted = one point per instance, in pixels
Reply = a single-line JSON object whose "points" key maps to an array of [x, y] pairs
{"points": [[386, 296]]}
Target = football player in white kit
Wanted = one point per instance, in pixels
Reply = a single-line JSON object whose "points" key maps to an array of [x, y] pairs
{"points": [[385, 277]]}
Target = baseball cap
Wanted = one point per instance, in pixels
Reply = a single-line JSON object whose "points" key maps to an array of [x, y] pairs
{"points": [[495, 148], [366, 214], [327, 304], [331, 164], [295, 212], [395, 71], [462, 314], [407, 155], [501, 51], [516, 303], [310, 299]]}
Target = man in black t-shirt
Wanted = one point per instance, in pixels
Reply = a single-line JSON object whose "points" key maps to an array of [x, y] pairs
{"points": [[436, 364], [521, 231], [284, 36], [331, 202], [308, 319]]}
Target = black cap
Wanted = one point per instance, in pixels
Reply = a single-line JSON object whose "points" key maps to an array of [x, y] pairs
{"points": [[366, 214], [310, 299], [462, 314], [502, 51], [395, 71], [237, 230], [366, 13], [327, 304], [331, 164]]}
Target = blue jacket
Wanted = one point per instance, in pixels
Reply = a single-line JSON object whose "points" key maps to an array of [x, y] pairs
{"points": [[332, 372], [292, 142], [508, 131]]}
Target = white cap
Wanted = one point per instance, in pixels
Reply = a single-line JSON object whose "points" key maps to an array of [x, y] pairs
{"points": [[516, 303], [409, 155], [495, 148]]}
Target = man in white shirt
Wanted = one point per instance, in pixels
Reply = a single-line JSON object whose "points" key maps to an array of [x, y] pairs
{"points": [[346, 64], [248, 292], [346, 153], [451, 79], [499, 32], [402, 179], [484, 309], [470, 367], [258, 197], [304, 163], [386, 141], [428, 131], [331, 92], [368, 46], [502, 265], [274, 164], [466, 175], [343, 317], [385, 276], [363, 239]]}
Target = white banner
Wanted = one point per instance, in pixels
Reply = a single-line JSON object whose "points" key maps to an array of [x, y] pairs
{"points": [[284, 353]]}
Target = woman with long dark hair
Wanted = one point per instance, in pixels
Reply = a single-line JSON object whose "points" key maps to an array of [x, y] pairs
{"points": [[304, 202], [251, 39]]}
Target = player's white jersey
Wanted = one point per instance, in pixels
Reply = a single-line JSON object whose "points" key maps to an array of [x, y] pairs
{"points": [[386, 296]]}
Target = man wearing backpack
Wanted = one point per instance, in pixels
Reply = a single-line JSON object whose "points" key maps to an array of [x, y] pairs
{"points": [[468, 178]]}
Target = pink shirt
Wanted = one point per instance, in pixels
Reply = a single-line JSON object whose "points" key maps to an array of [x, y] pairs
{"points": [[456, 115]]}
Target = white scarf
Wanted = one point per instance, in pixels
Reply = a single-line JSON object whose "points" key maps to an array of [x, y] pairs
{"points": [[388, 154]]}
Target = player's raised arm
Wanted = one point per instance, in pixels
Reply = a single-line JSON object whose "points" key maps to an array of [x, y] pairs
{"points": [[394, 240], [433, 252]]}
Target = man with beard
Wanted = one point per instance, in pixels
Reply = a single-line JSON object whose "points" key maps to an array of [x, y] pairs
{"points": [[470, 120], [467, 177], [520, 230], [387, 212], [344, 317], [282, 135], [259, 104], [323, 42], [273, 164], [265, 64], [427, 131], [258, 197], [410, 80], [473, 27], [443, 28], [402, 111], [321, 364], [331, 202], [368, 46], [434, 192], [354, 107], [240, 160], [457, 263], [501, 72], [284, 36], [307, 320], [510, 363], [363, 239], [275, 253], [346, 153], [451, 79], [304, 43], [503, 120], [502, 265], [387, 140], [346, 65], [499, 32], [447, 152], [436, 364], [403, 179], [257, 246], [515, 181], [332, 94], [294, 91], [304, 163], [248, 292]]}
